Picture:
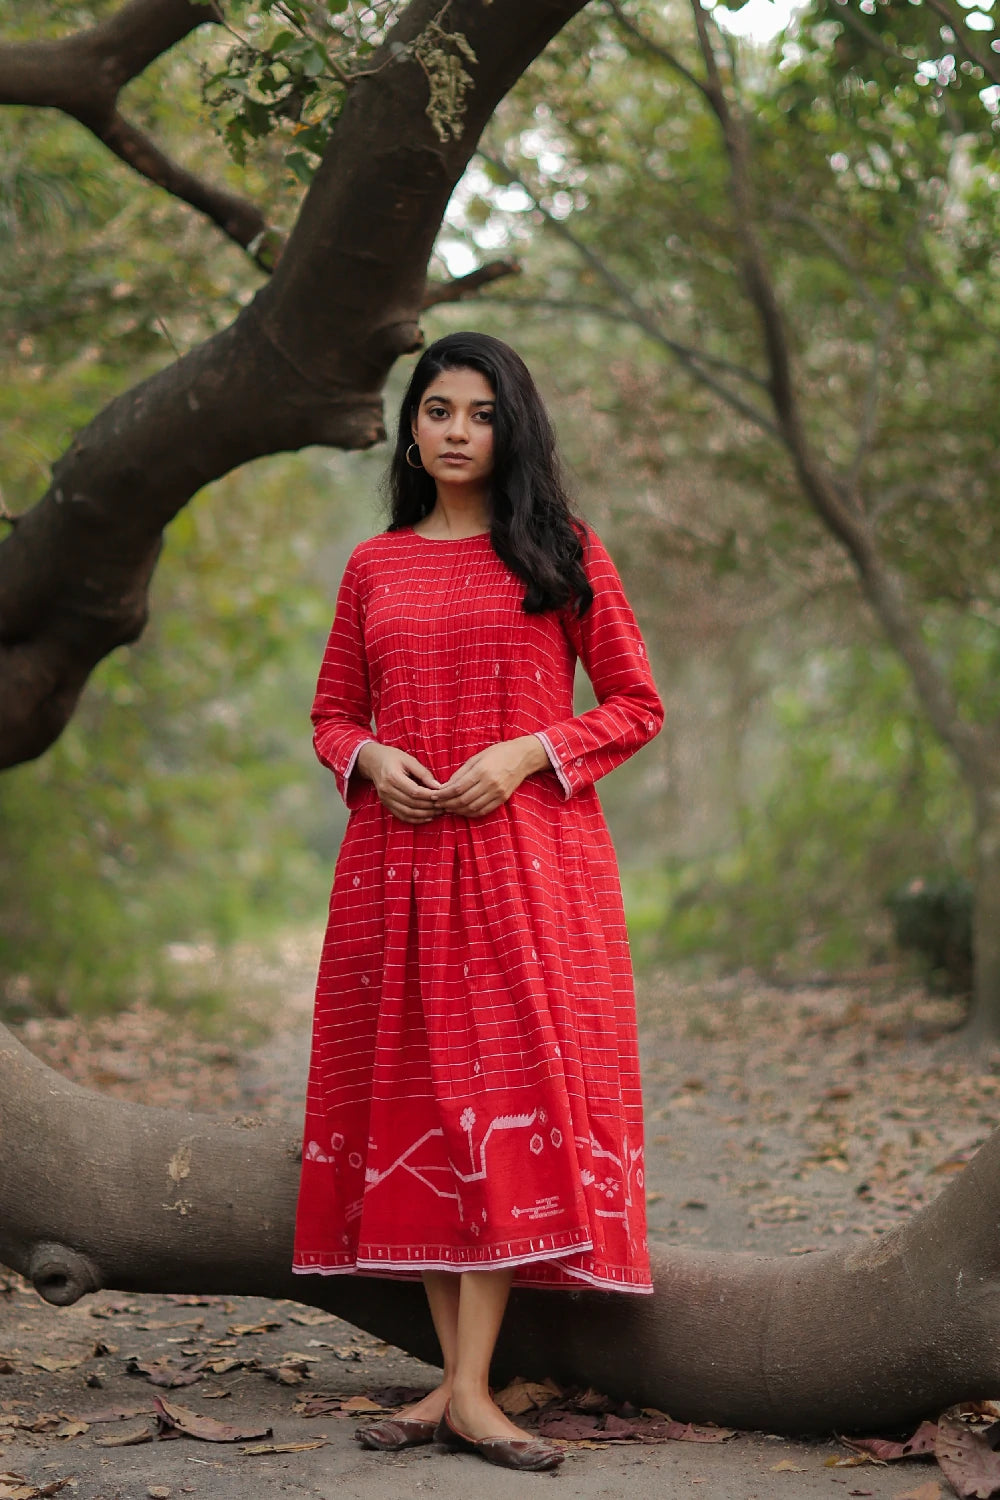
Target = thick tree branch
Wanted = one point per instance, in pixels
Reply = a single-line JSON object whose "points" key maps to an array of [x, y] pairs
{"points": [[467, 286], [879, 1334], [84, 74], [237, 217], [304, 363]]}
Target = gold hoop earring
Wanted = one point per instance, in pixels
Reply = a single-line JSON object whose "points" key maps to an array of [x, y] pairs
{"points": [[409, 460]]}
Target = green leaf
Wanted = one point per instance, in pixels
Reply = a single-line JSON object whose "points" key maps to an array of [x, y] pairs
{"points": [[281, 40], [301, 166], [315, 61]]}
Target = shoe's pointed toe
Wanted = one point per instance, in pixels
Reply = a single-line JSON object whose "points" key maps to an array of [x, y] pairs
{"points": [[529, 1455]]}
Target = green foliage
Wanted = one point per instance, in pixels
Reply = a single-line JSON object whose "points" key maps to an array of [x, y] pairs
{"points": [[292, 64], [181, 803], [858, 798], [932, 915]]}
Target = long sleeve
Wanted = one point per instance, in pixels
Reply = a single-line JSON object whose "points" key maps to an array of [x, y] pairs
{"points": [[629, 712], [342, 710]]}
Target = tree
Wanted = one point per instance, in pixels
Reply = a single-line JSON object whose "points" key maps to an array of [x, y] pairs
{"points": [[141, 1197], [303, 363]]}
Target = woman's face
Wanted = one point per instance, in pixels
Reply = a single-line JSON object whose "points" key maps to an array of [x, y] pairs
{"points": [[453, 428]]}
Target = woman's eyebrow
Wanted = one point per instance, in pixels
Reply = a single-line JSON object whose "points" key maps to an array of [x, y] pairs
{"points": [[447, 401]]}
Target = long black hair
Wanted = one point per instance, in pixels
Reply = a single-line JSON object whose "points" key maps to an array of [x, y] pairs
{"points": [[532, 528]]}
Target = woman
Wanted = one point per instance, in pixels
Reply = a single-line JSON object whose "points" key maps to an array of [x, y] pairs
{"points": [[474, 1114]]}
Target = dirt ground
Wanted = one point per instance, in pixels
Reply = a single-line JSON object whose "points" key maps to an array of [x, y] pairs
{"points": [[778, 1120]]}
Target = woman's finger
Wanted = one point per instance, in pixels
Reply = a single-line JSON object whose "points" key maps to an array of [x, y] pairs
{"points": [[416, 772]]}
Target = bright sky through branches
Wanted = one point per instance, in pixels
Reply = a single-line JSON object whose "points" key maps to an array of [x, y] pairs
{"points": [[757, 21]]}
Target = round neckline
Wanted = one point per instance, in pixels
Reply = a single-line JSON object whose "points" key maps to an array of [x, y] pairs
{"points": [[448, 541]]}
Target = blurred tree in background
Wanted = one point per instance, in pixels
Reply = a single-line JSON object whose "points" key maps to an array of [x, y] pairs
{"points": [[781, 263]]}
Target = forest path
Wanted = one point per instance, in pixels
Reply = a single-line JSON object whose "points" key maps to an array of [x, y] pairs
{"points": [[778, 1120]]}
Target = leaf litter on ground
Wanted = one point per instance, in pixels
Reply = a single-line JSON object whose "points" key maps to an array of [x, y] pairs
{"points": [[554, 1411]]}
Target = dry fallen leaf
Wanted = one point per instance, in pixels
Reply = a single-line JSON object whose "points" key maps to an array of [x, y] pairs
{"points": [[256, 1448], [311, 1317], [160, 1325], [929, 1490], [176, 1418], [290, 1372], [129, 1437], [876, 1450], [221, 1364], [526, 1395], [360, 1403], [571, 1427], [46, 1421], [31, 1491], [118, 1413], [266, 1325], [695, 1432], [966, 1459], [787, 1467], [72, 1429], [161, 1372]]}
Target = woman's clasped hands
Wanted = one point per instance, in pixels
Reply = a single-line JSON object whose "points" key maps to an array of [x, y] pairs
{"points": [[479, 786]]}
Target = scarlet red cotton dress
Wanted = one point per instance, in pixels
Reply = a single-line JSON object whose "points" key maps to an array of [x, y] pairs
{"points": [[474, 1097]]}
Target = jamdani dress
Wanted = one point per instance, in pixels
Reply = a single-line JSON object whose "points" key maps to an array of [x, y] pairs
{"points": [[474, 1098]]}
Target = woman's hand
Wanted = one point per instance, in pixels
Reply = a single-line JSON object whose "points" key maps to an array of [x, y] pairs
{"points": [[403, 785], [488, 778]]}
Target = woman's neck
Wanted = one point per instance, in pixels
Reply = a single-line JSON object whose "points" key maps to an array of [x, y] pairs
{"points": [[456, 516]]}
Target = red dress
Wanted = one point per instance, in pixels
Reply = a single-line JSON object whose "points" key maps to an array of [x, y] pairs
{"points": [[474, 1096]]}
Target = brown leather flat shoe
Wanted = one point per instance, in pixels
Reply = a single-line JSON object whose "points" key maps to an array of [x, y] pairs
{"points": [[531, 1455], [395, 1433]]}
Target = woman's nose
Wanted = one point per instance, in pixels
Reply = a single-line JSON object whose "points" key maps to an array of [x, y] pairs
{"points": [[458, 429]]}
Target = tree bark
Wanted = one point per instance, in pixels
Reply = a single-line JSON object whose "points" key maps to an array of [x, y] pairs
{"points": [[984, 1025], [304, 363], [95, 1193]]}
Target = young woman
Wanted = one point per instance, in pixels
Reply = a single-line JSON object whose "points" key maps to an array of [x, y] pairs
{"points": [[474, 1115]]}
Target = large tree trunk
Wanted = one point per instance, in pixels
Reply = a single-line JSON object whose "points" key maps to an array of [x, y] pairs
{"points": [[97, 1193], [985, 1020]]}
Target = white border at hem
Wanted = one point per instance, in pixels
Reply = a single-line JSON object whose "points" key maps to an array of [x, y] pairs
{"points": [[416, 1266]]}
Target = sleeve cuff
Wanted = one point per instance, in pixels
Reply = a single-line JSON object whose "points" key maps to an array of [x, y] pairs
{"points": [[555, 762], [349, 769]]}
